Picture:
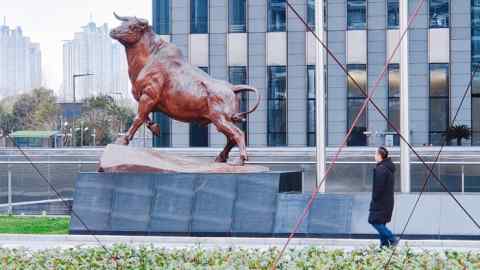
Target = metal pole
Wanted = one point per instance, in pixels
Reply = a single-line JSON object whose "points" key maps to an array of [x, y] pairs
{"points": [[74, 99], [10, 207], [320, 96], [404, 98]]}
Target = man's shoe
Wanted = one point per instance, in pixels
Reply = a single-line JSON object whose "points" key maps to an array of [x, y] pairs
{"points": [[395, 242]]}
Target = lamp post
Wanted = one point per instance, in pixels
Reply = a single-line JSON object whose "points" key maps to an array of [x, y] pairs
{"points": [[75, 76]]}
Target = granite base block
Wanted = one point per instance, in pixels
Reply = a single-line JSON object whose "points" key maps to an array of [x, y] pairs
{"points": [[180, 203]]}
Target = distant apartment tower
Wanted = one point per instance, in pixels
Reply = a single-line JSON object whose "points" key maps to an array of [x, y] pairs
{"points": [[93, 51], [20, 62]]}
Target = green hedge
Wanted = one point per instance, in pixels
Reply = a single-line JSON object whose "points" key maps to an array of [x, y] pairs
{"points": [[196, 258]]}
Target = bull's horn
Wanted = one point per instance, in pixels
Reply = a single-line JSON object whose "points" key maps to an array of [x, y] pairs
{"points": [[120, 18], [141, 21]]}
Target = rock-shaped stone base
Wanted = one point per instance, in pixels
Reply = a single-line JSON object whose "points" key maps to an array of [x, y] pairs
{"points": [[120, 158]]}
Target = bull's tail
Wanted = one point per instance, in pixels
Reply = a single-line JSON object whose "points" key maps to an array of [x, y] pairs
{"points": [[239, 117]]}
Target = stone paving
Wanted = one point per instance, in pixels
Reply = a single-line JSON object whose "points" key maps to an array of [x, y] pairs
{"points": [[36, 242]]}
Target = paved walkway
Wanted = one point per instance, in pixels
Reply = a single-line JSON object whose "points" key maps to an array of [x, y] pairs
{"points": [[36, 242]]}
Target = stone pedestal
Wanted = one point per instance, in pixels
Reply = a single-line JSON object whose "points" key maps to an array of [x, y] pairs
{"points": [[180, 203]]}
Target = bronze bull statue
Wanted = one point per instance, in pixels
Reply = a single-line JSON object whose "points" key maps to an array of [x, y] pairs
{"points": [[163, 82]]}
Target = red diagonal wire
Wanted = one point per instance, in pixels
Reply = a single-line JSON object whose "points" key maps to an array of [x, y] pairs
{"points": [[362, 109]]}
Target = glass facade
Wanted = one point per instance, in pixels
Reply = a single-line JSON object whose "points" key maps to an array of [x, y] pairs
{"points": [[355, 99], [439, 102], [311, 13], [164, 140], [394, 99], [356, 14], [162, 26], [277, 16], [393, 14], [475, 50], [198, 133], [238, 75], [439, 13], [237, 16], [277, 106], [161, 16], [199, 16], [311, 109]]}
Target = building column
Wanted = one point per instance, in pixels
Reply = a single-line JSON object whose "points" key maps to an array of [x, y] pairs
{"points": [[320, 96], [404, 98]]}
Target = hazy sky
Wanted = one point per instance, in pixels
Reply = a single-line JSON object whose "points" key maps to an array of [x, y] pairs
{"points": [[48, 22]]}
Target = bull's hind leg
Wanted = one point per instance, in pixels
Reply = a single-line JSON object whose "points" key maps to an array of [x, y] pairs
{"points": [[145, 107], [234, 134], [223, 156], [154, 127]]}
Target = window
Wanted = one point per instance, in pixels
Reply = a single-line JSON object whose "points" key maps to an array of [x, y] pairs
{"points": [[198, 16], [276, 16], [394, 99], [164, 140], [476, 103], [439, 13], [237, 16], [356, 14], [439, 102], [475, 51], [161, 20], [311, 109], [277, 106], [238, 75], [393, 14], [199, 133], [355, 99], [311, 13]]}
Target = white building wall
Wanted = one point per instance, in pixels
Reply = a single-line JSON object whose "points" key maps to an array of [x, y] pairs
{"points": [[93, 51], [20, 62]]}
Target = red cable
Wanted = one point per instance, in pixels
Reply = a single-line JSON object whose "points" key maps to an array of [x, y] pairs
{"points": [[345, 140]]}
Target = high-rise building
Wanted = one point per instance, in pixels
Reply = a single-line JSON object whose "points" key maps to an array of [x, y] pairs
{"points": [[271, 46], [20, 62], [92, 51]]}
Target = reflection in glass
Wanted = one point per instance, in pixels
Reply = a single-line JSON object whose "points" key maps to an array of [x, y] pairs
{"points": [[393, 14], [277, 106], [237, 16], [450, 175], [475, 51], [356, 14], [161, 16], [394, 99], [439, 10], [311, 123], [276, 16], [472, 178], [199, 16], [238, 75], [311, 13], [439, 102], [355, 101]]}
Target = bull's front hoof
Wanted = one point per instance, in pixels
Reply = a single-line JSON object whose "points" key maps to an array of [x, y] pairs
{"points": [[220, 159], [155, 128], [237, 162], [122, 141]]}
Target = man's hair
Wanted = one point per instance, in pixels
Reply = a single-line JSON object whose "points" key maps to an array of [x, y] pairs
{"points": [[383, 152]]}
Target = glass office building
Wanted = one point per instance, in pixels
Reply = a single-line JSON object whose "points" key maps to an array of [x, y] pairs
{"points": [[274, 52]]}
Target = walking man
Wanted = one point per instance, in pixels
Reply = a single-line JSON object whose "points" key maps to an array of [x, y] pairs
{"points": [[381, 206]]}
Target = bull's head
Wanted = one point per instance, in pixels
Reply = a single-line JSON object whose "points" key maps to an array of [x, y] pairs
{"points": [[130, 31]]}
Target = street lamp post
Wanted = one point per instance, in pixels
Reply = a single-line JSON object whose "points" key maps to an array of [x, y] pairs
{"points": [[75, 76]]}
